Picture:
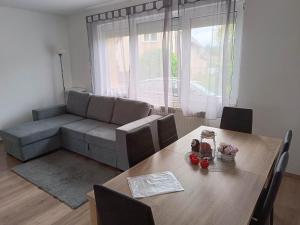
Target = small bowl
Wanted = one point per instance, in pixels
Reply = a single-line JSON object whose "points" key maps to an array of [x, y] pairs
{"points": [[227, 157]]}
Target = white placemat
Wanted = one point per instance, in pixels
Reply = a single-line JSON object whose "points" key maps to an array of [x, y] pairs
{"points": [[154, 184]]}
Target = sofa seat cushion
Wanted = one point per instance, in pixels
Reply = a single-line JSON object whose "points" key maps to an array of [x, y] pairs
{"points": [[104, 135], [78, 129], [31, 132], [127, 111], [78, 102], [101, 108]]}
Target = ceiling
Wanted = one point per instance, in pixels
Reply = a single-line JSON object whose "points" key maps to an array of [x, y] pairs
{"points": [[63, 7]]}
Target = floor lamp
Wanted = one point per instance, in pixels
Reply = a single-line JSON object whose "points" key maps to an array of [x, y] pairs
{"points": [[60, 53]]}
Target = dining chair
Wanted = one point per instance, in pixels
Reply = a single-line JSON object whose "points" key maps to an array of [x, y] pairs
{"points": [[237, 119], [287, 141], [114, 208], [264, 208], [284, 148], [167, 132], [139, 145]]}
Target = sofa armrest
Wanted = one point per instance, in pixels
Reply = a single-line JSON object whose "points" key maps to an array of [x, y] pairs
{"points": [[39, 114], [122, 159]]}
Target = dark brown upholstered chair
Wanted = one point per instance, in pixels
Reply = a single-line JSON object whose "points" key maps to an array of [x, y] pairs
{"points": [[284, 148], [117, 209], [237, 119], [264, 207], [139, 145], [287, 141], [167, 132]]}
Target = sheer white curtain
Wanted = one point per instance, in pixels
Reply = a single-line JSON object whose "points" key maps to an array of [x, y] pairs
{"points": [[146, 34], [208, 81], [184, 58], [128, 58], [110, 58]]}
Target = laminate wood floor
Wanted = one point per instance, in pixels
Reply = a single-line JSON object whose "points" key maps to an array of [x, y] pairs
{"points": [[22, 203], [287, 205]]}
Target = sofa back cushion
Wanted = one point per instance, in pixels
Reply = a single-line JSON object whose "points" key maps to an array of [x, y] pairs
{"points": [[78, 102], [126, 111], [101, 108]]}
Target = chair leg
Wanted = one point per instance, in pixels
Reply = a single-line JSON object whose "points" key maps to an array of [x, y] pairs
{"points": [[271, 216]]}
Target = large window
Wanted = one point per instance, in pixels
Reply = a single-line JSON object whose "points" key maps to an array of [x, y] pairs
{"points": [[153, 37], [202, 63]]}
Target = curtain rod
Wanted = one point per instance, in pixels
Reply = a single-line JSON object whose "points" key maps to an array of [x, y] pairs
{"points": [[139, 8]]}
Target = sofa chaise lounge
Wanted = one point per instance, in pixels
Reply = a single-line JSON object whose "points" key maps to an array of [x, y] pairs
{"points": [[93, 126]]}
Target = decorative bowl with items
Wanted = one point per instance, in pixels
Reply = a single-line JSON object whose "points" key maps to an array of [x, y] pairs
{"points": [[228, 151], [204, 150]]}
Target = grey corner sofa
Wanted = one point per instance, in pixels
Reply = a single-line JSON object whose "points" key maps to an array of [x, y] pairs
{"points": [[93, 126]]}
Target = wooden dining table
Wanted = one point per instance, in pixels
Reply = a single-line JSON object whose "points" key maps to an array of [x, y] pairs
{"points": [[212, 196]]}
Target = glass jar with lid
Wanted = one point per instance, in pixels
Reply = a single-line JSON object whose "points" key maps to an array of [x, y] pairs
{"points": [[207, 148]]}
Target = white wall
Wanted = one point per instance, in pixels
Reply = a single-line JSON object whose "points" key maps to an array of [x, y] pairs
{"points": [[79, 50], [29, 68], [270, 67]]}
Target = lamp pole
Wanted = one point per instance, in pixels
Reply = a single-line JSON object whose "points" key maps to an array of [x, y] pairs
{"points": [[62, 74]]}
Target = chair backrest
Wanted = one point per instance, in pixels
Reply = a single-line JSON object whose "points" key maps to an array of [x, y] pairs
{"points": [[114, 208], [273, 189], [167, 132], [237, 119], [139, 145], [284, 148], [287, 141]]}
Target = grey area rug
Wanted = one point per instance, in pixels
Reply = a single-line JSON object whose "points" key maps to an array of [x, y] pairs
{"points": [[66, 175]]}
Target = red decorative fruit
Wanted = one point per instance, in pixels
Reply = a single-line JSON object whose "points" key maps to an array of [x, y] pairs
{"points": [[194, 159], [204, 164]]}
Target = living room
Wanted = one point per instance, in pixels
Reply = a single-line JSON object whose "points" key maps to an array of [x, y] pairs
{"points": [[83, 82]]}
